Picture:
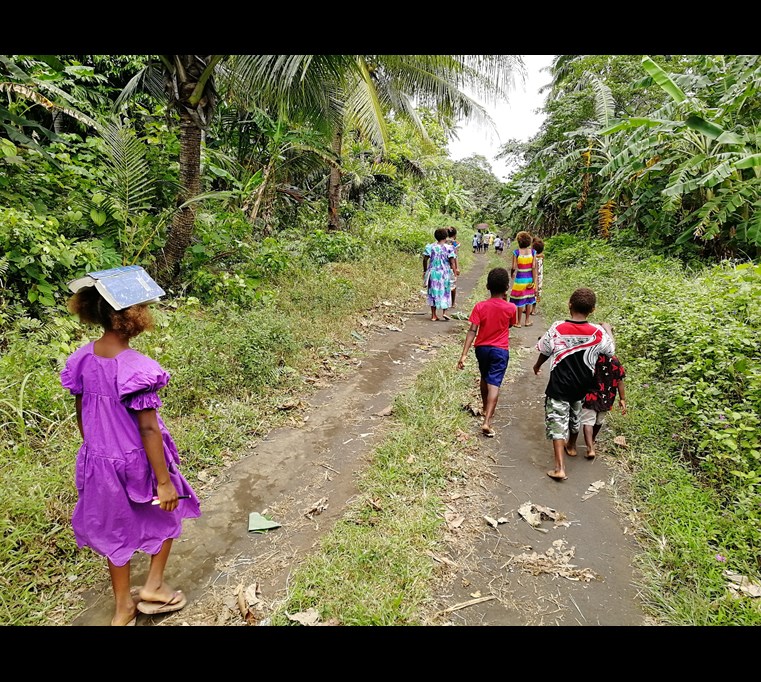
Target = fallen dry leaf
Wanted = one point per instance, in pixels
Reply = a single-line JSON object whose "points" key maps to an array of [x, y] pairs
{"points": [[593, 489], [620, 440], [385, 412], [492, 522], [453, 519], [308, 617], [317, 508], [475, 594], [740, 583], [534, 514]]}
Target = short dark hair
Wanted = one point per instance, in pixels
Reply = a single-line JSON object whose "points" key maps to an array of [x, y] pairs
{"points": [[524, 239], [583, 301], [538, 245], [92, 309], [498, 280], [452, 231], [441, 233]]}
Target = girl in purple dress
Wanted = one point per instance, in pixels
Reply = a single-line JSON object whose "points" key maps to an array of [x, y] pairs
{"points": [[131, 494]]}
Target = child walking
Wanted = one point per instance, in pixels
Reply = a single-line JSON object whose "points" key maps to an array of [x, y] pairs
{"points": [[538, 245], [608, 381], [438, 265], [573, 347], [490, 324], [131, 494], [523, 268]]}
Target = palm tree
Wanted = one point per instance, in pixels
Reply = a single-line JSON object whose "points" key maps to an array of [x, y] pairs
{"points": [[328, 90]]}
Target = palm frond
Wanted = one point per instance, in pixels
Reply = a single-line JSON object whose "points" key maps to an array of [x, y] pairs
{"points": [[131, 187]]}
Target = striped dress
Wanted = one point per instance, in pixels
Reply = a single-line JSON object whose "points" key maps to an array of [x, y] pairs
{"points": [[523, 292]]}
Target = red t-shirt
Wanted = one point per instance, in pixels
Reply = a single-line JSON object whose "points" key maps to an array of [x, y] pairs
{"points": [[494, 316]]}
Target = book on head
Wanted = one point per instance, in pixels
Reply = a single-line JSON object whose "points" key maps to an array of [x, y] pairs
{"points": [[121, 287]]}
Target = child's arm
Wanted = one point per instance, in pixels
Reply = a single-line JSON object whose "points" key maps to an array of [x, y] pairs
{"points": [[622, 396], [150, 434], [534, 269], [513, 266], [78, 405], [470, 337], [539, 362]]}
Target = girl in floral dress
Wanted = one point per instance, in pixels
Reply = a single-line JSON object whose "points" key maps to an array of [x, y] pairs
{"points": [[438, 265]]}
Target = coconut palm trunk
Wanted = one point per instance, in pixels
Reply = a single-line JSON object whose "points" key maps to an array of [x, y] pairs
{"points": [[181, 230], [334, 184]]}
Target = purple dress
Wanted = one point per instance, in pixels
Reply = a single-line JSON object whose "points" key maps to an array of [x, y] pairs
{"points": [[114, 479]]}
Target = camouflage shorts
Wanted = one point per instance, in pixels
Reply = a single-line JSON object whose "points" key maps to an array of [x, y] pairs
{"points": [[560, 418]]}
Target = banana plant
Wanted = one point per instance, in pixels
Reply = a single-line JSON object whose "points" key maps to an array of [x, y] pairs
{"points": [[702, 153]]}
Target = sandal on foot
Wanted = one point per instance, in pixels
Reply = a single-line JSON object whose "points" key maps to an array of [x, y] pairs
{"points": [[488, 432], [555, 476], [175, 603]]}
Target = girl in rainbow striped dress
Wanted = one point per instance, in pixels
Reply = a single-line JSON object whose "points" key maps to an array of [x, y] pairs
{"points": [[523, 268]]}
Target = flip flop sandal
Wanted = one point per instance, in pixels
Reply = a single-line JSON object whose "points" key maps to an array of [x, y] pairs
{"points": [[151, 608], [555, 477]]}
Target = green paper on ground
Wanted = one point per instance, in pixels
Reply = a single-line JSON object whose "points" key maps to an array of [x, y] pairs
{"points": [[258, 522]]}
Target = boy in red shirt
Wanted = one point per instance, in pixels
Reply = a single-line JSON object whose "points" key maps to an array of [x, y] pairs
{"points": [[490, 324]]}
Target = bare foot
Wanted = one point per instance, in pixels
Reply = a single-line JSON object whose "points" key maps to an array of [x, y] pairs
{"points": [[488, 431], [591, 454], [434, 319], [529, 324], [557, 475], [571, 453], [163, 594], [125, 617], [516, 326]]}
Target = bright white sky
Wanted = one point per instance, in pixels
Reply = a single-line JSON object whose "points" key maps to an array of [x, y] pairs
{"points": [[516, 119]]}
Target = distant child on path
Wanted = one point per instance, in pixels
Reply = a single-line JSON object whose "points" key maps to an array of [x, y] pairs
{"points": [[573, 346], [538, 245], [609, 378], [490, 324], [131, 494], [476, 242], [438, 264], [523, 268]]}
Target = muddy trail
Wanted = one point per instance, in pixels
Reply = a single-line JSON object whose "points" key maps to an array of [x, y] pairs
{"points": [[522, 549]]}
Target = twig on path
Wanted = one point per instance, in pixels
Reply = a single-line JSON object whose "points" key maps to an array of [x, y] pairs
{"points": [[322, 464], [577, 607], [464, 604]]}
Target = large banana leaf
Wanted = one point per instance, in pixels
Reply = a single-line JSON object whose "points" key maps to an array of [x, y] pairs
{"points": [[663, 79]]}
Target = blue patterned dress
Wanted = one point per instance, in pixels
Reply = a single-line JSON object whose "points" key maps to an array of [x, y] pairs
{"points": [[439, 275]]}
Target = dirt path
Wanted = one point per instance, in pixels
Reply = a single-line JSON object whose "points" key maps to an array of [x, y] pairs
{"points": [[560, 553], [303, 477]]}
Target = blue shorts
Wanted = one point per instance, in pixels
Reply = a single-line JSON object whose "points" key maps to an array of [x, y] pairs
{"points": [[492, 362]]}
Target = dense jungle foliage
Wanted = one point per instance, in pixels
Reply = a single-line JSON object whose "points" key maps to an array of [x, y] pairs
{"points": [[262, 188]]}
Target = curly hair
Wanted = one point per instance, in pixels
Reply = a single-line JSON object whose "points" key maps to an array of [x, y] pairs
{"points": [[524, 239], [441, 233], [91, 308], [498, 280], [583, 301], [537, 245]]}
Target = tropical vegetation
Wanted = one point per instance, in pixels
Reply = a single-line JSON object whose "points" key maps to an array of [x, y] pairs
{"points": [[255, 187]]}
